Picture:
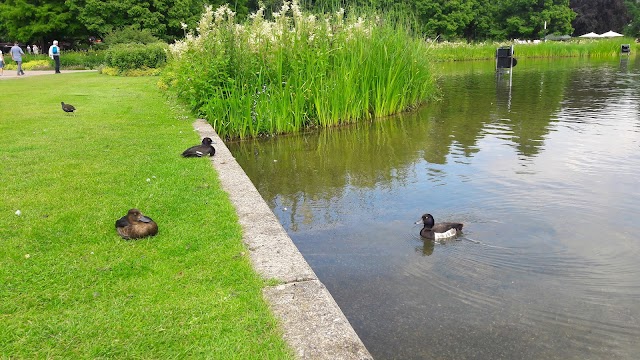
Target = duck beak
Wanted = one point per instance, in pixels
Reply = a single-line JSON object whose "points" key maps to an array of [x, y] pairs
{"points": [[418, 222], [145, 219]]}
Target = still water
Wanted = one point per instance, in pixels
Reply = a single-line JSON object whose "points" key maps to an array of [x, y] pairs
{"points": [[544, 174]]}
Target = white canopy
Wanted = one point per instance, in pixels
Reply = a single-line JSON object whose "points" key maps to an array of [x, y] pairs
{"points": [[610, 34], [590, 35]]}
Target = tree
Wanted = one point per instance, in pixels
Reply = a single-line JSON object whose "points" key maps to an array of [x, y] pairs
{"points": [[633, 27], [483, 25], [447, 19], [36, 21], [599, 15], [164, 18], [526, 18]]}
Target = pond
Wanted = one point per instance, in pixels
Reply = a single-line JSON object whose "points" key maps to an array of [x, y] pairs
{"points": [[543, 171]]}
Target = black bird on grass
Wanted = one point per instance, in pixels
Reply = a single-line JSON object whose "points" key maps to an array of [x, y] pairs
{"points": [[200, 150], [68, 107], [443, 230], [134, 225]]}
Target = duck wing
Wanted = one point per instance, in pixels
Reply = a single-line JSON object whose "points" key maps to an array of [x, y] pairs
{"points": [[68, 107], [151, 228], [199, 151], [446, 226], [122, 222]]}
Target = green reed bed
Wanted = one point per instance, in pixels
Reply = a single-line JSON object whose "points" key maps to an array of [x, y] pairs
{"points": [[462, 51], [71, 288], [574, 48], [297, 70], [600, 48]]}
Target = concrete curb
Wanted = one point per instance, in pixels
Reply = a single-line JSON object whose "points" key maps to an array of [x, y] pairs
{"points": [[313, 324]]}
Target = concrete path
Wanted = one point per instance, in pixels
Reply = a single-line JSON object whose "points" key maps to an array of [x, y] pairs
{"points": [[13, 74], [313, 324]]}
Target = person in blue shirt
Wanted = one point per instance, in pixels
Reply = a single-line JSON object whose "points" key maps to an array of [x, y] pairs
{"points": [[54, 53], [16, 55]]}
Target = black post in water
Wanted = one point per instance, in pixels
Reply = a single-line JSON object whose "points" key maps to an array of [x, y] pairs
{"points": [[505, 61], [504, 58], [625, 49]]}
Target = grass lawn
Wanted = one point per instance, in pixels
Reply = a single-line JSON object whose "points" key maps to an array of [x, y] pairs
{"points": [[70, 287]]}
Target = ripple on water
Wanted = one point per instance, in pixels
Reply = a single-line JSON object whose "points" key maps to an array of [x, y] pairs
{"points": [[544, 177], [490, 279]]}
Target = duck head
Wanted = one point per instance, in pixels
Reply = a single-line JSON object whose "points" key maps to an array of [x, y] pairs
{"points": [[427, 220], [207, 141], [135, 216]]}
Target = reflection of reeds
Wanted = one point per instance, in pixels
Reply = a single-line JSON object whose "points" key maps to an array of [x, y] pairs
{"points": [[297, 70], [575, 48]]}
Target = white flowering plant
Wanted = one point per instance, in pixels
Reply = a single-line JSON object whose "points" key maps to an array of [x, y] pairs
{"points": [[296, 69]]}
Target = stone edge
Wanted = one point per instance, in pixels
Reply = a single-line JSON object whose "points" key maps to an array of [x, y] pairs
{"points": [[313, 324]]}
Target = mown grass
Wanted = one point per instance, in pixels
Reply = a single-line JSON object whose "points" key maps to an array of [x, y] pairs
{"points": [[575, 48], [71, 287], [297, 70]]}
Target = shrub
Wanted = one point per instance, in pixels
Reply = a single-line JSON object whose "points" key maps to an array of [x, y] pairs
{"points": [[136, 56], [130, 73], [36, 65], [69, 60], [80, 60], [130, 35], [29, 65]]}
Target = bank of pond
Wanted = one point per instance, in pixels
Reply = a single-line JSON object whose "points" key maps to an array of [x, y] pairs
{"points": [[297, 73], [245, 92]]}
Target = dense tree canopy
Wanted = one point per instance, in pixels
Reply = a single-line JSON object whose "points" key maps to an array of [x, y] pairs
{"points": [[162, 17], [527, 18], [600, 16], [446, 18], [38, 21], [633, 10]]}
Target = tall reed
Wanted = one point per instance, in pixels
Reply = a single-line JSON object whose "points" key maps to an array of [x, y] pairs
{"points": [[598, 48], [297, 70]]}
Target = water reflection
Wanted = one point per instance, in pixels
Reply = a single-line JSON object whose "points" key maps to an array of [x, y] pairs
{"points": [[542, 173]]}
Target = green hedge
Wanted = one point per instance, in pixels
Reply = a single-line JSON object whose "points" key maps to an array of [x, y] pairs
{"points": [[136, 56], [81, 59], [69, 60]]}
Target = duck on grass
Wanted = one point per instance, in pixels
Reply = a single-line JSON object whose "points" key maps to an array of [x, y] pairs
{"points": [[135, 225], [201, 150]]}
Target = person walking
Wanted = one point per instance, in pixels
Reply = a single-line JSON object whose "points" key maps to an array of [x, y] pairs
{"points": [[54, 53], [1, 63], [16, 55]]}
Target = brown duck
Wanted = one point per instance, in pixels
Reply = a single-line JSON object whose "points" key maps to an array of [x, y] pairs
{"points": [[201, 150], [135, 225]]}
